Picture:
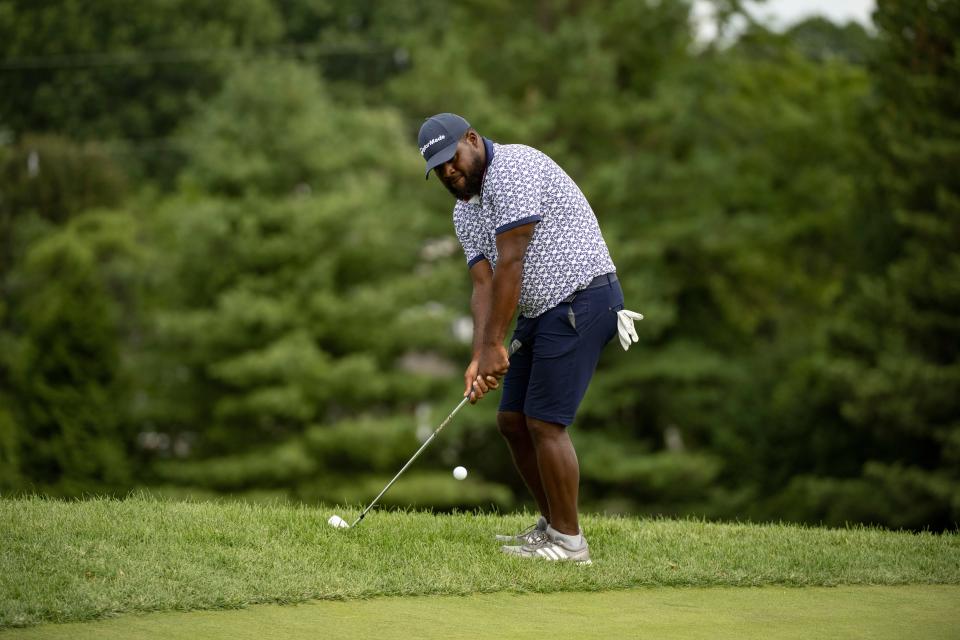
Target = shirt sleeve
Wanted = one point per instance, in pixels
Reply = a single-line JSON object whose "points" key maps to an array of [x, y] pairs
{"points": [[467, 235], [517, 202]]}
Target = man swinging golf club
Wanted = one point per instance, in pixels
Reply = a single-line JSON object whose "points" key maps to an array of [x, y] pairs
{"points": [[533, 244]]}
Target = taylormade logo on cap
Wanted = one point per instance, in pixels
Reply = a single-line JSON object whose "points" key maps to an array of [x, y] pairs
{"points": [[424, 148]]}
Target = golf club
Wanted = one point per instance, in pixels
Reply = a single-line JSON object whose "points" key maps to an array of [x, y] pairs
{"points": [[340, 523]]}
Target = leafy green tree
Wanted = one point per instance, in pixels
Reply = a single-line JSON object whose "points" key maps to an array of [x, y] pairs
{"points": [[111, 70], [274, 129], [56, 178], [290, 301], [358, 46], [279, 314], [46, 181], [820, 39], [783, 215], [11, 431], [891, 375], [11, 474], [65, 366], [731, 229]]}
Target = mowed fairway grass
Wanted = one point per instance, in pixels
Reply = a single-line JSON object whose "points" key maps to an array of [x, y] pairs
{"points": [[77, 561], [664, 613]]}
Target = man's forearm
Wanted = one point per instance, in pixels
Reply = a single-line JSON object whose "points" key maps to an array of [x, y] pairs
{"points": [[480, 308], [505, 293]]}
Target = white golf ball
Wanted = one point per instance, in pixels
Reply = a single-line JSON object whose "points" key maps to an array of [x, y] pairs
{"points": [[460, 473], [338, 522]]}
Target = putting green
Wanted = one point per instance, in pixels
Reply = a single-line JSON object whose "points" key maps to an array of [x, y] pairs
{"points": [[915, 611]]}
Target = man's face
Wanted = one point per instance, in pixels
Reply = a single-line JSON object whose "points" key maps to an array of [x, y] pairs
{"points": [[462, 175]]}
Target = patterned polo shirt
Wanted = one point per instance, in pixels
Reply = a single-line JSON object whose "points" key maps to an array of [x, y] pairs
{"points": [[523, 185]]}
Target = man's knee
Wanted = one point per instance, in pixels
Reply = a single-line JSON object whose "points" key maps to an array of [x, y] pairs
{"points": [[542, 431], [512, 424]]}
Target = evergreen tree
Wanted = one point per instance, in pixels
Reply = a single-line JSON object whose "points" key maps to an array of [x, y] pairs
{"points": [[65, 364], [888, 385]]}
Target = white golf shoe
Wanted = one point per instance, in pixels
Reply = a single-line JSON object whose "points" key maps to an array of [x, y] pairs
{"points": [[525, 536], [553, 546]]}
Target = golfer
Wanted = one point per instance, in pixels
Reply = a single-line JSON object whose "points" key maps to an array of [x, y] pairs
{"points": [[532, 243]]}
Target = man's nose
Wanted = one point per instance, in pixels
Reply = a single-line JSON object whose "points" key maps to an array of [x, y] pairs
{"points": [[446, 169]]}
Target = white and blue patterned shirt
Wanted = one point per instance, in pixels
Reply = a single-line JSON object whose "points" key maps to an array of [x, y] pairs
{"points": [[523, 185]]}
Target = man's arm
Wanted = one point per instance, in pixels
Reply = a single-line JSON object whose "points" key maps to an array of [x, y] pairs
{"points": [[492, 359], [482, 276]]}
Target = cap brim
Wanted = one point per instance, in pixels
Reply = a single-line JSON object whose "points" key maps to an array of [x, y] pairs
{"points": [[440, 157]]}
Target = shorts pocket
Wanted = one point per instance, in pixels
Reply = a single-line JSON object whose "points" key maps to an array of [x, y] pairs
{"points": [[578, 312], [556, 335]]}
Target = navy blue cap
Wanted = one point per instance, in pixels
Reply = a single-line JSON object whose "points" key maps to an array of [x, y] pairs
{"points": [[438, 139]]}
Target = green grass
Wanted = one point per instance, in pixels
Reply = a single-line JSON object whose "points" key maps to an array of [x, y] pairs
{"points": [[74, 561], [718, 613]]}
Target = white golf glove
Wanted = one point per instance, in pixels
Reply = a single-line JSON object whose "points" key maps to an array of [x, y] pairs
{"points": [[628, 335]]}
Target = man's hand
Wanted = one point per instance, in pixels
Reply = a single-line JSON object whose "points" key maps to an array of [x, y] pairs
{"points": [[475, 386], [492, 362]]}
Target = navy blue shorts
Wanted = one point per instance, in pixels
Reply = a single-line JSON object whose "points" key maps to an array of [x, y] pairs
{"points": [[549, 374]]}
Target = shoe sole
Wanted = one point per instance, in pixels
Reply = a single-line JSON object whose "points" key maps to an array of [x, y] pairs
{"points": [[584, 563], [579, 563]]}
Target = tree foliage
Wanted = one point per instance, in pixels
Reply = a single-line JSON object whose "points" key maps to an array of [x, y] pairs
{"points": [[64, 366], [893, 353], [221, 268]]}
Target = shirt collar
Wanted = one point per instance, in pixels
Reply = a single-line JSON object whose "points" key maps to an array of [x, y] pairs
{"points": [[488, 146]]}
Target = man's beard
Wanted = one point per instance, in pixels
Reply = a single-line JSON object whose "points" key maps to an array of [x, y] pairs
{"points": [[472, 181]]}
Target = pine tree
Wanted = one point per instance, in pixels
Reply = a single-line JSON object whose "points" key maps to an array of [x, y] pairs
{"points": [[893, 363], [65, 365]]}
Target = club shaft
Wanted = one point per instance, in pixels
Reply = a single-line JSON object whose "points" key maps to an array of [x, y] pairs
{"points": [[414, 457], [514, 346]]}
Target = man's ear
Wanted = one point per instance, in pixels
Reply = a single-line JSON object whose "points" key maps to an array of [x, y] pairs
{"points": [[473, 138]]}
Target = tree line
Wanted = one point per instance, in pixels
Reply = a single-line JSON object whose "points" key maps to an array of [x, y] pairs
{"points": [[222, 275]]}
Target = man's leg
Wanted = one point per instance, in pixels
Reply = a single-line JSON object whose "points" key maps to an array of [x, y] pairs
{"points": [[513, 428], [559, 473]]}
